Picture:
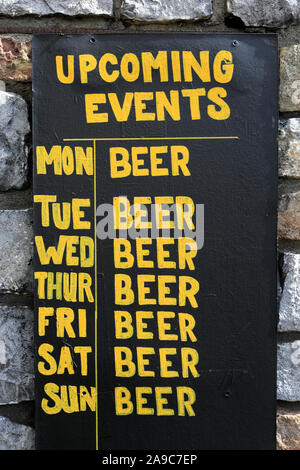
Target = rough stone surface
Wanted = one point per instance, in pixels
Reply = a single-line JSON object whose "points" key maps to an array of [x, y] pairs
{"points": [[288, 371], [50, 7], [288, 430], [289, 148], [15, 436], [14, 126], [160, 11], [16, 354], [15, 58], [289, 216], [16, 247], [289, 310], [267, 13], [289, 90]]}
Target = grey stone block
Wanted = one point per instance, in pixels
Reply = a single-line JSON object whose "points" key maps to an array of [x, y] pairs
{"points": [[14, 126], [288, 371], [289, 90], [15, 436], [289, 310], [16, 354], [159, 11], [48, 7], [289, 148], [268, 13], [16, 248]]}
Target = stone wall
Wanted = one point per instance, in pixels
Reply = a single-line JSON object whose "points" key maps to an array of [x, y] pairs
{"points": [[19, 19]]}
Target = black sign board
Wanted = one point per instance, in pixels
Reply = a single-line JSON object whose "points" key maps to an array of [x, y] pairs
{"points": [[155, 201]]}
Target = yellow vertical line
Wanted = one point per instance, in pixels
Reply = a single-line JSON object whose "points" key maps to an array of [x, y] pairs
{"points": [[96, 302]]}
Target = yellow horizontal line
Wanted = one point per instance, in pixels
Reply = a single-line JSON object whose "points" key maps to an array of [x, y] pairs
{"points": [[154, 138]]}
